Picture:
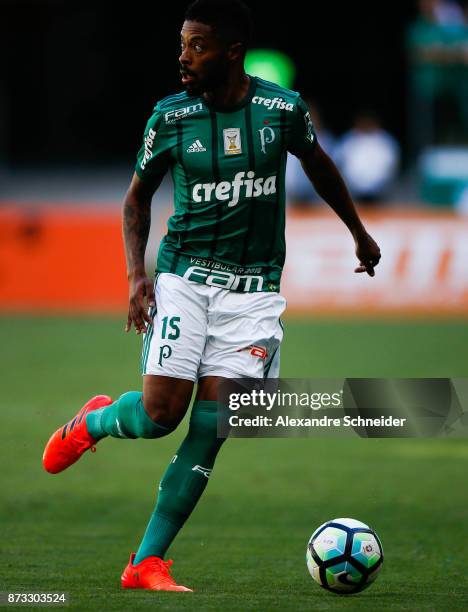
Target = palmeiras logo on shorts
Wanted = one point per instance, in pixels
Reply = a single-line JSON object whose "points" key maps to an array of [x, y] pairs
{"points": [[165, 352], [232, 141]]}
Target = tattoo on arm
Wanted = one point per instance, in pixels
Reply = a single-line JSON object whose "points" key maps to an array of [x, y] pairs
{"points": [[136, 227]]}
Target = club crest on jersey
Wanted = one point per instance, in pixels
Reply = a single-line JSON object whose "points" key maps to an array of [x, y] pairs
{"points": [[267, 136], [232, 141]]}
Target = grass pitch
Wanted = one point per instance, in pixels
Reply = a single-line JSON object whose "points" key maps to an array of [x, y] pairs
{"points": [[244, 546]]}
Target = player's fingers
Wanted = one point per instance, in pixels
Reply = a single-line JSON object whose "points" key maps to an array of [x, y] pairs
{"points": [[137, 314], [365, 267], [140, 325], [147, 316], [139, 329], [369, 266], [150, 293], [128, 325], [143, 313], [360, 269]]}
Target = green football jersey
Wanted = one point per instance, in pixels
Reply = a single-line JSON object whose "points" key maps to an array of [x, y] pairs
{"points": [[228, 169]]}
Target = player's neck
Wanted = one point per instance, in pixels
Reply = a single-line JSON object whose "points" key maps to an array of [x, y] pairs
{"points": [[229, 93]]}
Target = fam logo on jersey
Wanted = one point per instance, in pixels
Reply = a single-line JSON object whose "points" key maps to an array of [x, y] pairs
{"points": [[267, 136], [148, 143], [252, 187], [181, 113], [225, 280], [232, 141], [279, 103]]}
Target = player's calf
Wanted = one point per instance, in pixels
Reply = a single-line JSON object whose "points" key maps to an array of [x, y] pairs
{"points": [[152, 414], [126, 418]]}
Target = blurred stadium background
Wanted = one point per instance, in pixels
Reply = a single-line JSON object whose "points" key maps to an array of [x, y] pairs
{"points": [[388, 90], [387, 84]]}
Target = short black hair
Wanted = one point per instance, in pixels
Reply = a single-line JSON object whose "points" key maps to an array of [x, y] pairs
{"points": [[230, 19]]}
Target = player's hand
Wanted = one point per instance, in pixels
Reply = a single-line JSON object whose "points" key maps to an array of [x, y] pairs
{"points": [[368, 253], [140, 289]]}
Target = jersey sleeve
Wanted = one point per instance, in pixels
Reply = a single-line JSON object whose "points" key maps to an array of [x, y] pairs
{"points": [[302, 138], [154, 156]]}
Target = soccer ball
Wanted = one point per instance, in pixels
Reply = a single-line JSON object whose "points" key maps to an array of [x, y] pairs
{"points": [[344, 556]]}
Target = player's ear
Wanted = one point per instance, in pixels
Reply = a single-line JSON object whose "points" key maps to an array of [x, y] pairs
{"points": [[235, 51]]}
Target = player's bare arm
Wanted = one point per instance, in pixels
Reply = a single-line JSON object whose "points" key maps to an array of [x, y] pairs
{"points": [[136, 227], [330, 185]]}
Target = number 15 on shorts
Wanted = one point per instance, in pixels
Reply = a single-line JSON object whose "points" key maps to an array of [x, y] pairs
{"points": [[170, 328]]}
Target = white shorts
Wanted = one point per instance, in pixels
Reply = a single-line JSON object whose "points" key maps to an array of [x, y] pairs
{"points": [[199, 331]]}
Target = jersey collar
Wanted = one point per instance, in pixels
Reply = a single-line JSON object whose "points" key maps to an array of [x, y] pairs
{"points": [[246, 100]]}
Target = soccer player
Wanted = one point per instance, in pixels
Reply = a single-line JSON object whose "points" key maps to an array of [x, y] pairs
{"points": [[215, 308]]}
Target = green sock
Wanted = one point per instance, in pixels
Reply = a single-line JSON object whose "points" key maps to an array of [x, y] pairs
{"points": [[184, 481], [125, 418]]}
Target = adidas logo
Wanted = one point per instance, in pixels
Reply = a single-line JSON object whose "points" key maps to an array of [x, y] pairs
{"points": [[196, 147]]}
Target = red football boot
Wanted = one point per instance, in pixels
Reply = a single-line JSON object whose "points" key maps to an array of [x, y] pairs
{"points": [[152, 573], [69, 442]]}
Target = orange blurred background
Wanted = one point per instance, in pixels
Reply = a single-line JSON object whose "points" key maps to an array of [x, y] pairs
{"points": [[70, 259]]}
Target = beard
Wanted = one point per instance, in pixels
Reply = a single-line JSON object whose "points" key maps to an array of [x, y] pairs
{"points": [[196, 88], [213, 76]]}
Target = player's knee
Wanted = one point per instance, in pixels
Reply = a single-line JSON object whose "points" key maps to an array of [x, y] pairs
{"points": [[167, 412]]}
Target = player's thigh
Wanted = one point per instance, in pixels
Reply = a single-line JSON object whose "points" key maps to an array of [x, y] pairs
{"points": [[207, 389], [244, 335], [166, 399], [175, 340]]}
